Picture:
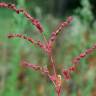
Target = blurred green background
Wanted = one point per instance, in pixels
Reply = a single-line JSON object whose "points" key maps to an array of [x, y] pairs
{"points": [[79, 35]]}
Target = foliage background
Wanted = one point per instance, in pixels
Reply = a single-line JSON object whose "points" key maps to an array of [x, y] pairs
{"points": [[18, 81]]}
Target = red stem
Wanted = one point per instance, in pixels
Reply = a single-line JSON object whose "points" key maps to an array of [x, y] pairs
{"points": [[53, 65]]}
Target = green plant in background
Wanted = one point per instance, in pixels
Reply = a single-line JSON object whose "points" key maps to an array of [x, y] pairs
{"points": [[20, 24], [47, 47], [82, 35]]}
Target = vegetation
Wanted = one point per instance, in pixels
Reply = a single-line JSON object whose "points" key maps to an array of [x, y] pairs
{"points": [[51, 56]]}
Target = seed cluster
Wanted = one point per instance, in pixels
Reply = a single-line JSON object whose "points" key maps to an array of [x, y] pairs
{"points": [[26, 14], [47, 48], [76, 61]]}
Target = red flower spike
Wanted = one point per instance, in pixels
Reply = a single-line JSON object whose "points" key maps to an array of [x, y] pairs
{"points": [[53, 34], [3, 4], [12, 6], [42, 46], [76, 60], [38, 25], [82, 55], [35, 67], [88, 51], [72, 68], [66, 74], [18, 35], [60, 27], [30, 39], [21, 36], [34, 21], [26, 14]]}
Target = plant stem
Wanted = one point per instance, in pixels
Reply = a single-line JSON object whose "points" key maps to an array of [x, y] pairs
{"points": [[53, 64], [45, 40]]}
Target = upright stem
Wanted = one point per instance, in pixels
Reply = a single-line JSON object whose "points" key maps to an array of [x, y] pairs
{"points": [[53, 65], [50, 55], [58, 94], [45, 40], [51, 62]]}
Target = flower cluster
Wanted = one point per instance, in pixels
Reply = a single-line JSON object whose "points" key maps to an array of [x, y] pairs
{"points": [[47, 48], [26, 14]]}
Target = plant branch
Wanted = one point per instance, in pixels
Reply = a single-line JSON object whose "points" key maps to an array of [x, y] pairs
{"points": [[25, 13], [38, 43], [35, 67], [58, 29], [77, 59]]}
